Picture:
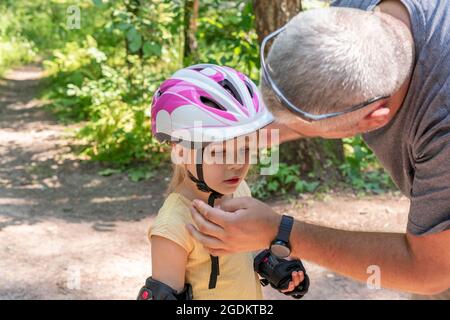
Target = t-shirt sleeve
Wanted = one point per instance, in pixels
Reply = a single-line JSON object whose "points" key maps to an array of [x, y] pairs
{"points": [[170, 224], [430, 194]]}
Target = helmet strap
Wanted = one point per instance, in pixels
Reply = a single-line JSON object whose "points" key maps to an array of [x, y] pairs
{"points": [[202, 186], [200, 181]]}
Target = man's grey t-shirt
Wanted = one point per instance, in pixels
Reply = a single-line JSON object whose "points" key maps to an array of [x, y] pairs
{"points": [[415, 146]]}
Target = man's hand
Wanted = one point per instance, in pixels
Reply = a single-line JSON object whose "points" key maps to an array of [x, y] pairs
{"points": [[239, 225]]}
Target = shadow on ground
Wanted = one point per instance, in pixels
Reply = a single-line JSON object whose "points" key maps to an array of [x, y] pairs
{"points": [[40, 179]]}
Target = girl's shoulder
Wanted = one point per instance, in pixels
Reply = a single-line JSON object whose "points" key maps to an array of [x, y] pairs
{"points": [[171, 220], [175, 205]]}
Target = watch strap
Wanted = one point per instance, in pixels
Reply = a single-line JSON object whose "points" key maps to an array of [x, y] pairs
{"points": [[284, 231]]}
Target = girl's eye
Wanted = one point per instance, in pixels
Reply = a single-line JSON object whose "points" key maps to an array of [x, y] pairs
{"points": [[220, 152]]}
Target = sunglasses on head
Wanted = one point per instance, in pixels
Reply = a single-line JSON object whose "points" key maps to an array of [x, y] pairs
{"points": [[288, 104]]}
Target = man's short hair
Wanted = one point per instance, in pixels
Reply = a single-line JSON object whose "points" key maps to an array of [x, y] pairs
{"points": [[330, 59]]}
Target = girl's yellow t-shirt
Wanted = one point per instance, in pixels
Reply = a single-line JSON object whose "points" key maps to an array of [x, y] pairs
{"points": [[237, 280]]}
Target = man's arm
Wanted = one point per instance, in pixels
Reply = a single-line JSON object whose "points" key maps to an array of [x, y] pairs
{"points": [[409, 263], [406, 262]]}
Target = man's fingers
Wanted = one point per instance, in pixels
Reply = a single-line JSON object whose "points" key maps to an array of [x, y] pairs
{"points": [[205, 226], [214, 215], [235, 204], [207, 241]]}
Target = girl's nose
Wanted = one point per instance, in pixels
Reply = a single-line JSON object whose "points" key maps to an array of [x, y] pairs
{"points": [[236, 166]]}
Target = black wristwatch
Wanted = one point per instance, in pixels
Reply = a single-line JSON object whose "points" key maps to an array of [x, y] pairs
{"points": [[280, 246]]}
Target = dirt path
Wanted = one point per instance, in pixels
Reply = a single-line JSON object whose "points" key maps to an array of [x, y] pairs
{"points": [[68, 233]]}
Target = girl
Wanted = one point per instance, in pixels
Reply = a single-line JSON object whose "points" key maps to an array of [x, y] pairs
{"points": [[201, 108]]}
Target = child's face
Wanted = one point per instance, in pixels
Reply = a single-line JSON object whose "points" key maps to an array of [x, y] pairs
{"points": [[225, 165]]}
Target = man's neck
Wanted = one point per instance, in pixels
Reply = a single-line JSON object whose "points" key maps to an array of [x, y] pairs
{"points": [[397, 9]]}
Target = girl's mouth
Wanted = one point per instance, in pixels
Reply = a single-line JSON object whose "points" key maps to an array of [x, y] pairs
{"points": [[234, 180]]}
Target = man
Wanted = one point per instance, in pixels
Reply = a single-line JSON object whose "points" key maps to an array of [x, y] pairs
{"points": [[389, 64]]}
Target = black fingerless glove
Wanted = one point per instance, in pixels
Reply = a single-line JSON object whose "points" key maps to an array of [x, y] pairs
{"points": [[278, 273]]}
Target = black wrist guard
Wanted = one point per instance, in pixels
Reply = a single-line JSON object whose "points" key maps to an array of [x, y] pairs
{"points": [[278, 273]]}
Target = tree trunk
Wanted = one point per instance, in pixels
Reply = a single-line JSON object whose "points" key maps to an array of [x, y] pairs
{"points": [[190, 28], [271, 15], [318, 156]]}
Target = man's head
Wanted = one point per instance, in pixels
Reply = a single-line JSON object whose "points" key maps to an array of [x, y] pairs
{"points": [[328, 60]]}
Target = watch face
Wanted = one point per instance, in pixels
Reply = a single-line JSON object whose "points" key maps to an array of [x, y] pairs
{"points": [[280, 250]]}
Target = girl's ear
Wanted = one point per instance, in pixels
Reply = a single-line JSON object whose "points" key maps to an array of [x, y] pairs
{"points": [[177, 154]]}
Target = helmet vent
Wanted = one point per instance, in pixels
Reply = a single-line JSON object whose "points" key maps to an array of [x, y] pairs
{"points": [[211, 103], [231, 89], [249, 89]]}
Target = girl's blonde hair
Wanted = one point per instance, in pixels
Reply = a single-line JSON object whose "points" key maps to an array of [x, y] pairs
{"points": [[179, 173]]}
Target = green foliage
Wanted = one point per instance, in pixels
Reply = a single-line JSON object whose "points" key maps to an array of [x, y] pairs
{"points": [[103, 75], [137, 174], [361, 168], [361, 171], [15, 51], [118, 129], [107, 77], [227, 36], [15, 48], [68, 69], [146, 27], [286, 180], [110, 86]]}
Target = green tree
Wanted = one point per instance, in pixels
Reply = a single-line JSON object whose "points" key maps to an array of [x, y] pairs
{"points": [[317, 156]]}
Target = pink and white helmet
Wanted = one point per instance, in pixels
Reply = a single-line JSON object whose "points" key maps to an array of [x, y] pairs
{"points": [[206, 103]]}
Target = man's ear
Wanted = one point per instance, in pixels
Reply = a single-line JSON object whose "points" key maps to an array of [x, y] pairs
{"points": [[375, 119]]}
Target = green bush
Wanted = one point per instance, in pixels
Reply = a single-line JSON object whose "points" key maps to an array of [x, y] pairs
{"points": [[67, 69], [15, 49], [109, 86], [285, 181], [361, 168], [227, 36]]}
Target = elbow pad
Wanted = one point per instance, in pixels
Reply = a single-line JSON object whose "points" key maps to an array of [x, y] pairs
{"points": [[156, 290]]}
